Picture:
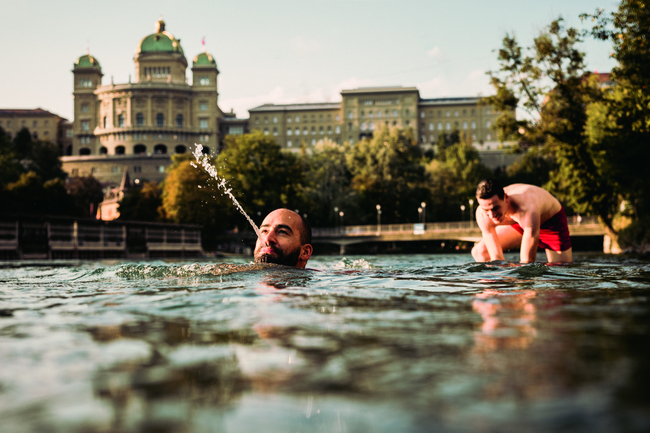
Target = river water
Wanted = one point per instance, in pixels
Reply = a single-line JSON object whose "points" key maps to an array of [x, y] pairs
{"points": [[381, 344]]}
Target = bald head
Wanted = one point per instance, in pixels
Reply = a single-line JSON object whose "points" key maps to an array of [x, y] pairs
{"points": [[285, 238]]}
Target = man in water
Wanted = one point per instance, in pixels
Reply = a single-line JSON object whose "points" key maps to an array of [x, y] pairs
{"points": [[520, 215], [285, 239]]}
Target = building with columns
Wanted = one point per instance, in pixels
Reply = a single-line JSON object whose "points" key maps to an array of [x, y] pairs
{"points": [[140, 124]]}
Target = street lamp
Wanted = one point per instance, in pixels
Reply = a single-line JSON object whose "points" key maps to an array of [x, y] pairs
{"points": [[341, 215], [378, 219], [462, 209], [420, 214], [336, 214], [424, 212], [471, 209]]}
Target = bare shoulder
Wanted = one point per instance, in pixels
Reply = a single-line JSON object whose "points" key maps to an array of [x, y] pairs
{"points": [[531, 198]]}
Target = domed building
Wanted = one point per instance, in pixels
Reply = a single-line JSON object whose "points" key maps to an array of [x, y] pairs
{"points": [[138, 125]]}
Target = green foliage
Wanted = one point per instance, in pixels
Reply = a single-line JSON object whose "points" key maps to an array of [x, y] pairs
{"points": [[85, 191], [142, 203], [387, 170]]}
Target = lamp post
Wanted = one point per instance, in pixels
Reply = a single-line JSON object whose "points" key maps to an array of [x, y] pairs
{"points": [[462, 209], [424, 212], [341, 222], [378, 219], [420, 214], [471, 210], [336, 216]]}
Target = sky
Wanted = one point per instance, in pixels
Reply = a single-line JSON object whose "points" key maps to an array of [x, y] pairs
{"points": [[278, 51]]}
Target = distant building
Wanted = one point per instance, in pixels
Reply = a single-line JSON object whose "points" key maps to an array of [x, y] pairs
{"points": [[363, 110], [140, 124], [42, 125]]}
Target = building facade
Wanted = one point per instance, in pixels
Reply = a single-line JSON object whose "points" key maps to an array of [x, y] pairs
{"points": [[140, 124], [363, 110], [42, 125]]}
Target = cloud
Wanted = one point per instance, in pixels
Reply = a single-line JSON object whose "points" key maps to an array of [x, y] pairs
{"points": [[435, 52], [303, 47]]}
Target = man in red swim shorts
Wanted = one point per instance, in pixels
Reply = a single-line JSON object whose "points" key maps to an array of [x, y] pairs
{"points": [[520, 215]]}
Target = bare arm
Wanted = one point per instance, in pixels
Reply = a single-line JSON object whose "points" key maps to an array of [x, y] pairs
{"points": [[490, 237], [530, 238]]}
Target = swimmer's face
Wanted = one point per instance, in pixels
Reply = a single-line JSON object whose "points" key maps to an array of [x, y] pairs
{"points": [[279, 242], [494, 208]]}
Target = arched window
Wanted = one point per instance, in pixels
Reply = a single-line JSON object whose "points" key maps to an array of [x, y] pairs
{"points": [[160, 119], [464, 125], [180, 149], [84, 151], [120, 120], [104, 122], [289, 131], [103, 151], [160, 149], [139, 149], [439, 126], [488, 124], [431, 126], [448, 126], [179, 121], [119, 150], [205, 150], [139, 119]]}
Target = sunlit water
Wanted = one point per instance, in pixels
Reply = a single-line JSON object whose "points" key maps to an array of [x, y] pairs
{"points": [[386, 344]]}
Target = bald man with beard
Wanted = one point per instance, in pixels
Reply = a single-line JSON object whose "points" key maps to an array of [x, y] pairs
{"points": [[285, 239]]}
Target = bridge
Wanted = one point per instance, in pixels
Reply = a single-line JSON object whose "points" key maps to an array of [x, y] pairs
{"points": [[459, 230]]}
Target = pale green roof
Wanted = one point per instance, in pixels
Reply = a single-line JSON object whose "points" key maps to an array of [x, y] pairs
{"points": [[204, 59], [160, 42], [86, 61]]}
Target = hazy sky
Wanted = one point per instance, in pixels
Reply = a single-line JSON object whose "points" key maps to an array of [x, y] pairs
{"points": [[279, 51]]}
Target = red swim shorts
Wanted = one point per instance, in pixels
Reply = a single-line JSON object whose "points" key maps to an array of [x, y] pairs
{"points": [[553, 233]]}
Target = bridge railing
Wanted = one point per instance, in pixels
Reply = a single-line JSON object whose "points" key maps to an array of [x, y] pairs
{"points": [[384, 229]]}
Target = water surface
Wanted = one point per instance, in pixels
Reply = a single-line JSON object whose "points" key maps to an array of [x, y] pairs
{"points": [[385, 344]]}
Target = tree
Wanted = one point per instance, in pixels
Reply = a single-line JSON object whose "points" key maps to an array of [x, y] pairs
{"points": [[549, 82], [328, 184], [142, 203], [85, 191], [388, 170]]}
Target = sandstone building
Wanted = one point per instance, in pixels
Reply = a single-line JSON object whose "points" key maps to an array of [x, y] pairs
{"points": [[41, 124]]}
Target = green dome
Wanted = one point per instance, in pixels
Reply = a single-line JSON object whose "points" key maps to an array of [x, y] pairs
{"points": [[160, 42], [204, 59], [87, 61]]}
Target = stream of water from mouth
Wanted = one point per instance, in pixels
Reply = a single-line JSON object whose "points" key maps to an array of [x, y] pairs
{"points": [[203, 161]]}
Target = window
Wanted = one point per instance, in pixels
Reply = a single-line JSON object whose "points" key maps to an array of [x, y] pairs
{"points": [[179, 121], [320, 118], [372, 126], [304, 131], [447, 113], [488, 124], [289, 144], [378, 114], [313, 130], [350, 115], [289, 119], [203, 123], [329, 129], [180, 149], [85, 82], [474, 137], [137, 169], [104, 122], [363, 114], [320, 130], [160, 119], [338, 129], [85, 125], [370, 114], [161, 169], [160, 149], [408, 122], [35, 135], [84, 151], [337, 118], [448, 126], [257, 120], [266, 131], [289, 131], [456, 113], [69, 133], [103, 151], [313, 142], [431, 126], [275, 119], [439, 126], [297, 119], [203, 106], [266, 120], [119, 150], [140, 149], [203, 81], [139, 119], [422, 116], [473, 111], [84, 108], [275, 131], [464, 125], [120, 120], [407, 111], [424, 137], [297, 131], [363, 126], [487, 111], [473, 124], [433, 138], [394, 113], [488, 136], [349, 126]]}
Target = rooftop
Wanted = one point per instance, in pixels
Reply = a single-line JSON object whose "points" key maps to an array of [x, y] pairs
{"points": [[387, 89], [450, 101], [26, 112], [297, 107]]}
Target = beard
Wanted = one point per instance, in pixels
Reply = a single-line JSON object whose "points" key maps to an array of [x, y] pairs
{"points": [[278, 258]]}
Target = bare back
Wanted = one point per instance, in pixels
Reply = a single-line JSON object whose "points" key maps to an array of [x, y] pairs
{"points": [[530, 198]]}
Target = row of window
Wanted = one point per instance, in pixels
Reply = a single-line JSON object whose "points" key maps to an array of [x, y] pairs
{"points": [[157, 71], [305, 130], [141, 149], [305, 118], [448, 113], [432, 138], [118, 169], [313, 142], [448, 125], [85, 82], [24, 123], [143, 136], [139, 121]]}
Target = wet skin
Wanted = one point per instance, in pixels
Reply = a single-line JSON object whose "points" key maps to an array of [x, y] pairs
{"points": [[279, 241]]}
